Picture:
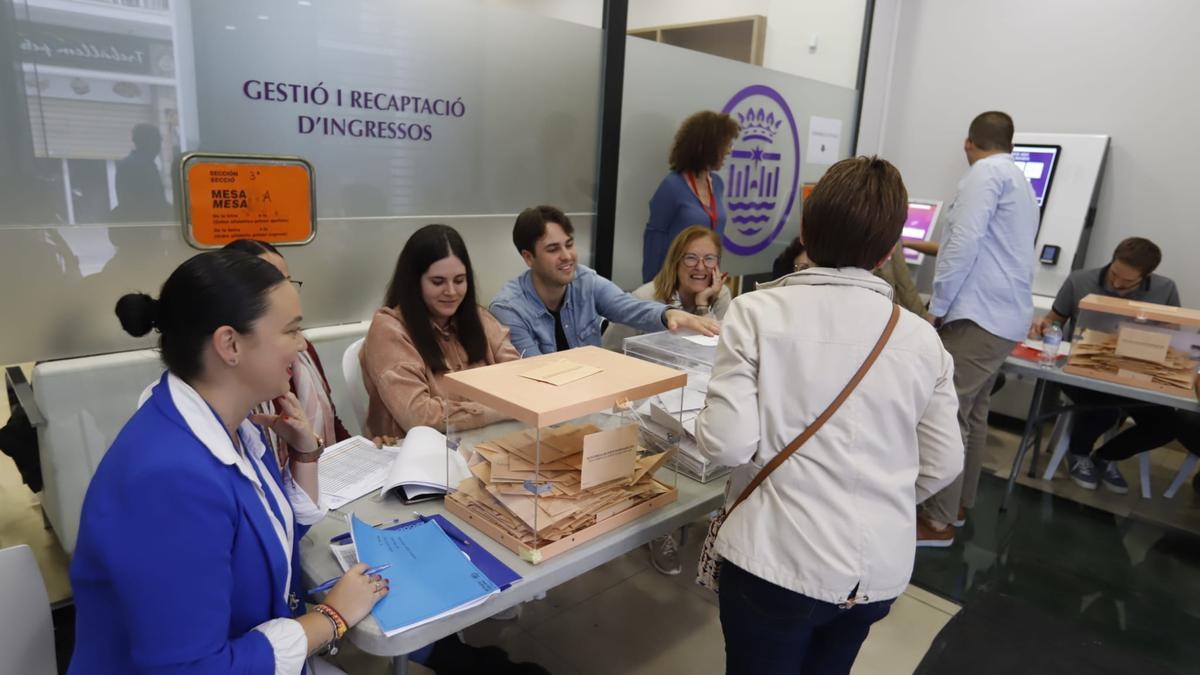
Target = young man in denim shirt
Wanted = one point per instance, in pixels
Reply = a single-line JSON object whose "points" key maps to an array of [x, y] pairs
{"points": [[558, 304]]}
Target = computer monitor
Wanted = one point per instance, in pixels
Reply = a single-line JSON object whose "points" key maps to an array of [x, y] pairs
{"points": [[1038, 162], [922, 215]]}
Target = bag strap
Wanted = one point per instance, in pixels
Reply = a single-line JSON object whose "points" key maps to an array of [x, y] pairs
{"points": [[823, 417]]}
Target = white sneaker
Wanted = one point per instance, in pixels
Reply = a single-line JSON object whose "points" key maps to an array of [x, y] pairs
{"points": [[664, 555]]}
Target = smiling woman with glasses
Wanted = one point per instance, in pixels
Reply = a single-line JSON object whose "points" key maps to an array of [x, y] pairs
{"points": [[690, 279]]}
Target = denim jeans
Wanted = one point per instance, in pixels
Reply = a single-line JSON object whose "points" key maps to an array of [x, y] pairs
{"points": [[770, 630]]}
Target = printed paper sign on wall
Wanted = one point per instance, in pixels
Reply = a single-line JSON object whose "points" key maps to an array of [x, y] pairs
{"points": [[247, 197]]}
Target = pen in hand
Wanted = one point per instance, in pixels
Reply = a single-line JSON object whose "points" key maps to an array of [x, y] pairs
{"points": [[333, 582]]}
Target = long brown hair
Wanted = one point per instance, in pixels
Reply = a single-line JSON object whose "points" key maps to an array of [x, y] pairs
{"points": [[425, 247], [667, 279]]}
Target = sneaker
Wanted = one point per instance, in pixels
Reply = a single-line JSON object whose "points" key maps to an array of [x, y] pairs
{"points": [[1083, 471], [664, 555], [930, 537], [1112, 479], [961, 519]]}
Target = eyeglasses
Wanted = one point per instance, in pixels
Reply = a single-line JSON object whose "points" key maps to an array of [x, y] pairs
{"points": [[692, 260], [297, 282]]}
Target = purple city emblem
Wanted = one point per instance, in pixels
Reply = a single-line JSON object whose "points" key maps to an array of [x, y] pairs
{"points": [[762, 171]]}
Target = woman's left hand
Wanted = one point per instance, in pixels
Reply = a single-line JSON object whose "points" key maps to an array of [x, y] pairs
{"points": [[707, 296], [290, 424]]}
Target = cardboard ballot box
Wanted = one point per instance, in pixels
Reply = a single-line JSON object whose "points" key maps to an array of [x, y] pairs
{"points": [[695, 357], [576, 462], [1154, 347]]}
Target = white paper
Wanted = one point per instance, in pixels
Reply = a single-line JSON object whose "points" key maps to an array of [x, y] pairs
{"points": [[674, 402], [703, 340], [351, 469], [824, 139], [422, 461], [1064, 348], [355, 467]]}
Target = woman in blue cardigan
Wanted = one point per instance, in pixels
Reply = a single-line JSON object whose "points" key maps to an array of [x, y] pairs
{"points": [[693, 193], [187, 553]]}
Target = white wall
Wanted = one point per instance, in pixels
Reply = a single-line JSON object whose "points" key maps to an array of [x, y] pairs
{"points": [[790, 24], [1079, 66], [587, 12]]}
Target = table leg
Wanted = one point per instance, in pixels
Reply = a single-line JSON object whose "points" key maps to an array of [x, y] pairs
{"points": [[400, 665], [1035, 408], [1051, 393]]}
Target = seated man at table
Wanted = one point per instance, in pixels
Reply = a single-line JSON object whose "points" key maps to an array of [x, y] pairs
{"points": [[1129, 275], [558, 304]]}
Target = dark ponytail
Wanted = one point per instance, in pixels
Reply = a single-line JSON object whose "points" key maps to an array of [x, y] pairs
{"points": [[138, 313], [209, 290]]}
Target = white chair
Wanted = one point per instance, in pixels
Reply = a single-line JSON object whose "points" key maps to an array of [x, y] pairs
{"points": [[26, 630], [352, 373], [1185, 471], [1060, 440]]}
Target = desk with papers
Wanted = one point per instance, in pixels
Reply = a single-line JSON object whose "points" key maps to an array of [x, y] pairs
{"points": [[318, 563], [1045, 406]]}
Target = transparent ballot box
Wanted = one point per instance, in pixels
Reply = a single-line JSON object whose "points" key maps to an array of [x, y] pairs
{"points": [[569, 455], [695, 358], [1139, 344]]}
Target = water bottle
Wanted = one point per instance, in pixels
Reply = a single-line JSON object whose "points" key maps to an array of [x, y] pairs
{"points": [[1051, 340]]}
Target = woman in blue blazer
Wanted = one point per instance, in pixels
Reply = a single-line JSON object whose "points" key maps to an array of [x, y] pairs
{"points": [[692, 193], [187, 554]]}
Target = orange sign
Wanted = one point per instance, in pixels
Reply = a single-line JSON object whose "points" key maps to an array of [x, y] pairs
{"points": [[230, 198]]}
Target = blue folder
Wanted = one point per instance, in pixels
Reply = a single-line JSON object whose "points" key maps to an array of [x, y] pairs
{"points": [[502, 575], [430, 576]]}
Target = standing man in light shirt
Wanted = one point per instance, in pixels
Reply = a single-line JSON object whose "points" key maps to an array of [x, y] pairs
{"points": [[982, 299]]}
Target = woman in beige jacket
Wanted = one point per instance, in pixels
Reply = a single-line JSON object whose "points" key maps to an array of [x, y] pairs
{"points": [[818, 552], [430, 325]]}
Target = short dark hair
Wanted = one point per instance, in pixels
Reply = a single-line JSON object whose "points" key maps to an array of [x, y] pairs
{"points": [[531, 226], [992, 130], [1140, 254], [855, 214], [254, 247], [209, 290], [785, 262], [425, 247], [701, 140], [146, 137]]}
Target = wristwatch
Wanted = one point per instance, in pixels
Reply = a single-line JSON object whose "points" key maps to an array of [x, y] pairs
{"points": [[308, 457]]}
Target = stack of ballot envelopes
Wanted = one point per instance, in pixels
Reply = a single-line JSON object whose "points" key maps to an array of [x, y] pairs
{"points": [[578, 468]]}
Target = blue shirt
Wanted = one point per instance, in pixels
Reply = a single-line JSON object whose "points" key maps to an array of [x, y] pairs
{"points": [[589, 297], [674, 208], [985, 263]]}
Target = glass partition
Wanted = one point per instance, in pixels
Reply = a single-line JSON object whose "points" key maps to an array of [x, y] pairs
{"points": [[793, 128], [412, 112]]}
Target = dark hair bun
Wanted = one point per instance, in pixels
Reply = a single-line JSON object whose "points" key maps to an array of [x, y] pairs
{"points": [[138, 313]]}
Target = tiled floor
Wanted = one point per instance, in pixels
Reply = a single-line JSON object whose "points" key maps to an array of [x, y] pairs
{"points": [[1127, 581]]}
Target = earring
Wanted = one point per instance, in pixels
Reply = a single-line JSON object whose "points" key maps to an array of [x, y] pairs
{"points": [[233, 362]]}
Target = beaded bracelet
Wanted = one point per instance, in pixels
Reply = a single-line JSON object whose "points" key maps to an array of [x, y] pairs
{"points": [[330, 647], [335, 617]]}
